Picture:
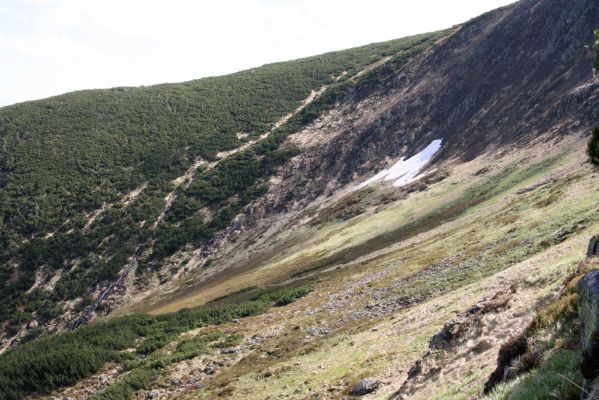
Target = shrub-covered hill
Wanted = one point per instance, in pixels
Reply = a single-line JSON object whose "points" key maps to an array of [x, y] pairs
{"points": [[69, 153], [85, 175]]}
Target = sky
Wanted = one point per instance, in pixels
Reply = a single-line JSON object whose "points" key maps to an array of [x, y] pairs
{"points": [[49, 47]]}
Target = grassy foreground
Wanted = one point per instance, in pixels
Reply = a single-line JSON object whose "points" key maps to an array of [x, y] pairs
{"points": [[520, 223]]}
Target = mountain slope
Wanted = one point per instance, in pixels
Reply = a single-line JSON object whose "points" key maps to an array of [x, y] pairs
{"points": [[552, 94], [273, 273], [86, 174]]}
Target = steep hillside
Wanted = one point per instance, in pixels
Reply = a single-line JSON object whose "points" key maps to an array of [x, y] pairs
{"points": [[380, 223], [476, 102], [87, 176]]}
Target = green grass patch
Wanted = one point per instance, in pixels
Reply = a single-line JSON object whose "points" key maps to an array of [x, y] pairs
{"points": [[473, 196], [549, 367], [556, 378]]}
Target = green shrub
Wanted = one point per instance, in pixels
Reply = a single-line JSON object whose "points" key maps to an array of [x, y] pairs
{"points": [[596, 64], [593, 147], [126, 386], [286, 296], [193, 347]]}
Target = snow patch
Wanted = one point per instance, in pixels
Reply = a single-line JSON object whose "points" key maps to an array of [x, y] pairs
{"points": [[406, 171]]}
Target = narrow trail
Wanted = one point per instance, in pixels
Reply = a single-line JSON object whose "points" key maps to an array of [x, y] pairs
{"points": [[372, 66], [188, 177], [185, 181]]}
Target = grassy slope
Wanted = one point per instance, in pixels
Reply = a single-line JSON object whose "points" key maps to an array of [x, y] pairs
{"points": [[549, 366], [363, 236], [65, 157], [537, 236]]}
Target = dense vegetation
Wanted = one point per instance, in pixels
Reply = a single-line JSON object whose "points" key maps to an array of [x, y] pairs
{"points": [[64, 157], [238, 180], [54, 361]]}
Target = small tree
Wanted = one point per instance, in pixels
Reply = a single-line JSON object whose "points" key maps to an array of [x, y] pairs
{"points": [[593, 147], [597, 50]]}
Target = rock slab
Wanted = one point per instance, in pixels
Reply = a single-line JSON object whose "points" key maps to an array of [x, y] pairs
{"points": [[588, 310]]}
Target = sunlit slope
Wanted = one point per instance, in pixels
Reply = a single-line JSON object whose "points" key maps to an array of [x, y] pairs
{"points": [[376, 314], [471, 191], [511, 226]]}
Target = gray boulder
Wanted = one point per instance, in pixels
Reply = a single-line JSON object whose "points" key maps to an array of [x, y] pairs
{"points": [[588, 310], [365, 386]]}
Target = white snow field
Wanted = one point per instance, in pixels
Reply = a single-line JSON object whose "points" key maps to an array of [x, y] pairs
{"points": [[406, 171]]}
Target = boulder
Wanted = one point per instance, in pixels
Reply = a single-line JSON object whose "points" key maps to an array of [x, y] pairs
{"points": [[415, 370], [232, 350], [365, 386], [588, 310]]}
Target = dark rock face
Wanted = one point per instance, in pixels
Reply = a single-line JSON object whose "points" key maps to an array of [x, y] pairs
{"points": [[415, 370], [588, 309], [365, 386], [514, 72], [502, 79], [590, 358], [449, 331]]}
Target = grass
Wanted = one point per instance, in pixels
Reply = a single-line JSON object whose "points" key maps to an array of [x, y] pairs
{"points": [[553, 339], [557, 378], [395, 224]]}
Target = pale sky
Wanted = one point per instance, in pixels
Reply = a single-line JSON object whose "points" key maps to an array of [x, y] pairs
{"points": [[48, 47]]}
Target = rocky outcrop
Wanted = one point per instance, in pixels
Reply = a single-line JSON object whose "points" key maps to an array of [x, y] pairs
{"points": [[588, 309], [500, 79], [462, 334], [515, 347]]}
